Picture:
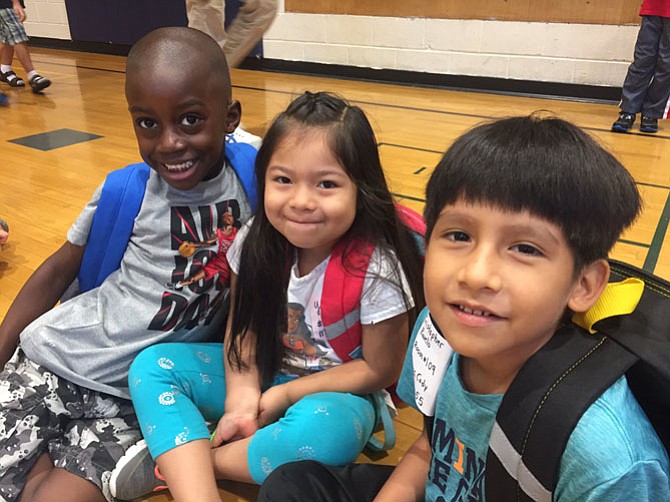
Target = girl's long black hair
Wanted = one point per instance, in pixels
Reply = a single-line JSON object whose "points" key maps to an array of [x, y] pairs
{"points": [[260, 303]]}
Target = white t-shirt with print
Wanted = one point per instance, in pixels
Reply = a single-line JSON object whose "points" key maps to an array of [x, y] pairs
{"points": [[307, 347]]}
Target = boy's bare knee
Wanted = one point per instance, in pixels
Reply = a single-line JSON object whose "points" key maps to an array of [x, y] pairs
{"points": [[50, 484]]}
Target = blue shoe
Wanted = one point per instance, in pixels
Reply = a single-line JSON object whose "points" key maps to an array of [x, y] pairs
{"points": [[624, 122], [4, 100], [648, 124]]}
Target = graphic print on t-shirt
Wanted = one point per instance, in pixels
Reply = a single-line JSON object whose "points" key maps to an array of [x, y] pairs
{"points": [[187, 306], [298, 337], [455, 468]]}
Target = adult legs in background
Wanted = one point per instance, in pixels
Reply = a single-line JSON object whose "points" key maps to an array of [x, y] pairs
{"points": [[208, 16], [244, 32]]}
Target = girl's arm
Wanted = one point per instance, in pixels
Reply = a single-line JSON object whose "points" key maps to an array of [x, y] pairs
{"points": [[384, 346], [243, 391], [39, 294], [408, 481]]}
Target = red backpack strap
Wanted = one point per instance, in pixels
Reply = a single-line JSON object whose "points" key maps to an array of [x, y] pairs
{"points": [[341, 297], [411, 219], [414, 222]]}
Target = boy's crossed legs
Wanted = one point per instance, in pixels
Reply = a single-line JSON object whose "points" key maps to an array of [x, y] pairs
{"points": [[56, 437]]}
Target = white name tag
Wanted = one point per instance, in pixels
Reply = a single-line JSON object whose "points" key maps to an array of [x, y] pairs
{"points": [[430, 356]]}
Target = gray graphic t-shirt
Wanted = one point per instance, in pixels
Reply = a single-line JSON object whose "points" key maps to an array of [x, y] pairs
{"points": [[92, 338]]}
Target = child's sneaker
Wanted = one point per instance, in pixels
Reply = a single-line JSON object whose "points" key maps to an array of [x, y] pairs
{"points": [[135, 474], [624, 122], [39, 83], [648, 124]]}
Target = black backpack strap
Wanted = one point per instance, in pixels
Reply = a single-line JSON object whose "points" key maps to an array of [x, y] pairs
{"points": [[646, 334], [541, 408]]}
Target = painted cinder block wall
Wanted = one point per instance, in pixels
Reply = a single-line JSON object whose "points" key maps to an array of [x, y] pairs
{"points": [[552, 52]]}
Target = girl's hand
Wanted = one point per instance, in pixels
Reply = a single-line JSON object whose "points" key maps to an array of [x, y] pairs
{"points": [[274, 403], [233, 426]]}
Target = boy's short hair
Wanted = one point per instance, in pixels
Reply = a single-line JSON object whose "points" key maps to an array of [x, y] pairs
{"points": [[179, 46], [546, 166]]}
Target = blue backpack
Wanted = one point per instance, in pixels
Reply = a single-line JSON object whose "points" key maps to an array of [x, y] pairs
{"points": [[120, 201]]}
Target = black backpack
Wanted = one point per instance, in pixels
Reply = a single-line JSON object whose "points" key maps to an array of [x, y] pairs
{"points": [[559, 383]]}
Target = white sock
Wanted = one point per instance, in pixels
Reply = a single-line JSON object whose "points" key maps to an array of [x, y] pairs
{"points": [[5, 68], [31, 74]]}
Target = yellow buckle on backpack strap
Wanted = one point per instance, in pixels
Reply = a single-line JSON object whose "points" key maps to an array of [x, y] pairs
{"points": [[618, 298]]}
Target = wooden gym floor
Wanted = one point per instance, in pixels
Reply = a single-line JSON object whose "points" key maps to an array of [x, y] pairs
{"points": [[85, 131]]}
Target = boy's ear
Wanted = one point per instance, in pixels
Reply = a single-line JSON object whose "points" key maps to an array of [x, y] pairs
{"points": [[589, 285], [233, 116]]}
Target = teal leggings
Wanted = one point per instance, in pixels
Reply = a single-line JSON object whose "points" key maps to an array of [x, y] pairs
{"points": [[178, 387]]}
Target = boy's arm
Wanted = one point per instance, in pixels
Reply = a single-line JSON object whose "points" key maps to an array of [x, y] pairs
{"points": [[408, 481], [243, 392], [383, 345], [39, 294]]}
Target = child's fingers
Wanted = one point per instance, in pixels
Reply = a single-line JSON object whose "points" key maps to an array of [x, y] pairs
{"points": [[225, 431], [230, 429]]}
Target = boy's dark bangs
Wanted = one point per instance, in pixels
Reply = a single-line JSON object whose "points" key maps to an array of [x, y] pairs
{"points": [[516, 181]]}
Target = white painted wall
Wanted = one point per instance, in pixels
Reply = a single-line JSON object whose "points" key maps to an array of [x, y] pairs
{"points": [[552, 52], [567, 53], [47, 18]]}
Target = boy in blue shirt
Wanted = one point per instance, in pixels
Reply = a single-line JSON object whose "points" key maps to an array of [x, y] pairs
{"points": [[65, 411], [521, 214]]}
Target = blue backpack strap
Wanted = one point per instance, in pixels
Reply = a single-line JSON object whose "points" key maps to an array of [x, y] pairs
{"points": [[242, 156], [113, 222], [120, 201]]}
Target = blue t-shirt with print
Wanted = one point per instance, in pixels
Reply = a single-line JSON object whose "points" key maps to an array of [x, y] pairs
{"points": [[613, 454]]}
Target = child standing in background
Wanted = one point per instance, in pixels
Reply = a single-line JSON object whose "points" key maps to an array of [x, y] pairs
{"points": [[647, 85], [13, 39]]}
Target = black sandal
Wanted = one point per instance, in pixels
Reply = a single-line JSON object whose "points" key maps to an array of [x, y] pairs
{"points": [[12, 79], [38, 83]]}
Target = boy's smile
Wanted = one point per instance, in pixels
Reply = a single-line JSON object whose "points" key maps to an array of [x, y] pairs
{"points": [[497, 284], [180, 120]]}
